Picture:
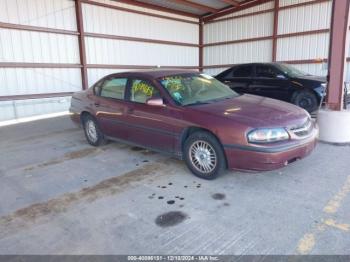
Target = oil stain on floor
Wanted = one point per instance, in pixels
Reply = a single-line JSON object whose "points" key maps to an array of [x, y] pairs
{"points": [[28, 215], [171, 218], [218, 196], [68, 156]]}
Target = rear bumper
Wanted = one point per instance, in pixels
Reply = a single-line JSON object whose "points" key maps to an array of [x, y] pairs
{"points": [[264, 159]]}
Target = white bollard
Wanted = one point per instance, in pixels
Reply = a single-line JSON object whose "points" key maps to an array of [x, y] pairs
{"points": [[334, 126]]}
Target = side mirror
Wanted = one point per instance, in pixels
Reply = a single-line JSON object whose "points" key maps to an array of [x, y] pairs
{"points": [[280, 77], [155, 102]]}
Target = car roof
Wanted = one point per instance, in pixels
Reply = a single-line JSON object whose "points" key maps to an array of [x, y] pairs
{"points": [[155, 73], [259, 63]]}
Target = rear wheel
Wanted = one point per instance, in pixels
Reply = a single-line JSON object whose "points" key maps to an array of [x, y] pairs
{"points": [[204, 155], [92, 132], [306, 100]]}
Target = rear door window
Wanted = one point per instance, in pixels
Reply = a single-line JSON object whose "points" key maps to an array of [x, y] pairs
{"points": [[265, 71], [226, 74], [243, 71], [114, 88], [97, 87]]}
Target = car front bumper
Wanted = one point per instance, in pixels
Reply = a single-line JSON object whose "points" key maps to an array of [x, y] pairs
{"points": [[269, 158]]}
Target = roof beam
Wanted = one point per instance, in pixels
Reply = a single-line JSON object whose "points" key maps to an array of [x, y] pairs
{"points": [[243, 5], [231, 2], [156, 7], [196, 5]]}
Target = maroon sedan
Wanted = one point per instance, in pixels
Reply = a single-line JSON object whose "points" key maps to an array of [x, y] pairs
{"points": [[196, 118]]}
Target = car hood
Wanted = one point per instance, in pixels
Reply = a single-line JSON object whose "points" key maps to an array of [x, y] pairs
{"points": [[321, 79], [256, 111]]}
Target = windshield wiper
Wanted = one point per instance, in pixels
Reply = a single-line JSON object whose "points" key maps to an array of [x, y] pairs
{"points": [[220, 98], [197, 103]]}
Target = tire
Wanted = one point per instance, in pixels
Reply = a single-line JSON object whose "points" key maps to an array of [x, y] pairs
{"points": [[305, 99], [93, 134], [203, 145]]}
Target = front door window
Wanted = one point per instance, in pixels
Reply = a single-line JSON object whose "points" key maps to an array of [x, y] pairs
{"points": [[141, 91]]}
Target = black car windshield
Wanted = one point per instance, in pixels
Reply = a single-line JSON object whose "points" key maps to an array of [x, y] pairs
{"points": [[192, 89], [291, 70]]}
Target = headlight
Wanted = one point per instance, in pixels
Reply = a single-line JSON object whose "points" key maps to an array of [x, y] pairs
{"points": [[324, 88], [267, 135]]}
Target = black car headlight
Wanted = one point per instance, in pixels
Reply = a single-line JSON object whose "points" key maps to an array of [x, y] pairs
{"points": [[321, 90], [267, 135]]}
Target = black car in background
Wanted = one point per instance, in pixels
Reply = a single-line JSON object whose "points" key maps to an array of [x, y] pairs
{"points": [[276, 80]]}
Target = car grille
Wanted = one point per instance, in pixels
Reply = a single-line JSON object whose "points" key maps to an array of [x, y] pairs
{"points": [[303, 130]]}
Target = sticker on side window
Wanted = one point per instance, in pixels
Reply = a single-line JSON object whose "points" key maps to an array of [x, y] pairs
{"points": [[207, 76]]}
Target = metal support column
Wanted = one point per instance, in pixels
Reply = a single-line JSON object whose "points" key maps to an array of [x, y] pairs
{"points": [[337, 54], [81, 39]]}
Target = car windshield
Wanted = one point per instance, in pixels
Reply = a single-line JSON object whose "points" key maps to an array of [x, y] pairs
{"points": [[192, 89], [291, 70]]}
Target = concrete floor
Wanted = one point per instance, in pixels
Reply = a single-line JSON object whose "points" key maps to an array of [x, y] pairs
{"points": [[59, 195]]}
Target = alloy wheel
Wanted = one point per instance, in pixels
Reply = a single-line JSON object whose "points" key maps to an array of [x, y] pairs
{"points": [[91, 131], [203, 156]]}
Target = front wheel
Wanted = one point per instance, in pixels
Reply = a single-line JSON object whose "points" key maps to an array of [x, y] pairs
{"points": [[204, 155], [306, 100]]}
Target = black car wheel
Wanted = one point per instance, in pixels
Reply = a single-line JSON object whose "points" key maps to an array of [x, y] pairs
{"points": [[306, 100], [92, 132], [204, 155]]}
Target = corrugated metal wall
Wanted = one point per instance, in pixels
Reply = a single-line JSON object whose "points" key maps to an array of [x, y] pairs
{"points": [[44, 13], [304, 47], [25, 46], [257, 51], [116, 22], [121, 52], [37, 47], [247, 27]]}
